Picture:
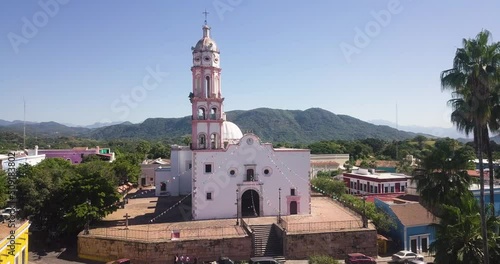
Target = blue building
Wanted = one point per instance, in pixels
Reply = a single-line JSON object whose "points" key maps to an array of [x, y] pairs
{"points": [[476, 192], [413, 230]]}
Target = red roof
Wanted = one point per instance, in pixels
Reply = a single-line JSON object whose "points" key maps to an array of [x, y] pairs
{"points": [[475, 173]]}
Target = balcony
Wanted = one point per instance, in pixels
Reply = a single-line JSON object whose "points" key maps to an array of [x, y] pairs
{"points": [[250, 178]]}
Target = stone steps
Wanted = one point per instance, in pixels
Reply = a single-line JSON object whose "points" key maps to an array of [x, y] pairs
{"points": [[266, 242]]}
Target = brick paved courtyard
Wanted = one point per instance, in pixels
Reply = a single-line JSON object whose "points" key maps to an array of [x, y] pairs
{"points": [[174, 213]]}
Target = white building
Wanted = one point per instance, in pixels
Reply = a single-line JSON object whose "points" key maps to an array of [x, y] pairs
{"points": [[30, 157], [148, 168], [364, 181], [327, 162], [227, 173]]}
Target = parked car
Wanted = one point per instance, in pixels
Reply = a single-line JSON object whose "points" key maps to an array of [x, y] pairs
{"points": [[416, 261], [263, 260], [7, 213], [120, 261], [404, 256], [358, 258], [221, 260]]}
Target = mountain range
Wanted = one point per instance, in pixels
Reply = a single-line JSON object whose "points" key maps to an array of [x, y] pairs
{"points": [[450, 132], [274, 125]]}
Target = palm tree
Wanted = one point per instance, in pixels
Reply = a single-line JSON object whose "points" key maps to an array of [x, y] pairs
{"points": [[472, 79], [458, 234], [444, 174], [461, 117]]}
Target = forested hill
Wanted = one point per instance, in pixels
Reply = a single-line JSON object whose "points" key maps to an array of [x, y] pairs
{"points": [[274, 125]]}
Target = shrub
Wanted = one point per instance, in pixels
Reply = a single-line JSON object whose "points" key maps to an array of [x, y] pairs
{"points": [[322, 259]]}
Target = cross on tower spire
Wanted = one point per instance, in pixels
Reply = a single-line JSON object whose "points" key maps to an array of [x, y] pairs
{"points": [[206, 15]]}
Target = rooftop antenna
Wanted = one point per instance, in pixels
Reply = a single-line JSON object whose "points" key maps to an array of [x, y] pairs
{"points": [[206, 15], [24, 124]]}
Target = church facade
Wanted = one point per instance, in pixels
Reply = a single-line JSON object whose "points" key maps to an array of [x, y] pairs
{"points": [[227, 173]]}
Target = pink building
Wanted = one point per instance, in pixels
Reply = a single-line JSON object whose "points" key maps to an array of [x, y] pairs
{"points": [[76, 155]]}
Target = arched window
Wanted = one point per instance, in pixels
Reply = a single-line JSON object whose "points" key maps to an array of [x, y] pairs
{"points": [[202, 141], [207, 85], [214, 142], [213, 113], [201, 113]]}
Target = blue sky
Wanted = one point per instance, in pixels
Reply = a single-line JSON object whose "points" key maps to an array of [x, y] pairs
{"points": [[85, 56]]}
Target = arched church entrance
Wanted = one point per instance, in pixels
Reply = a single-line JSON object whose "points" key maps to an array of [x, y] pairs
{"points": [[293, 207], [250, 206]]}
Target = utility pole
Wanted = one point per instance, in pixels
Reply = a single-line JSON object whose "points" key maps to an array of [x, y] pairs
{"points": [[279, 205], [237, 205]]}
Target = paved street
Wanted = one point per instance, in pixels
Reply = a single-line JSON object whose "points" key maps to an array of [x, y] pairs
{"points": [[57, 258], [68, 258]]}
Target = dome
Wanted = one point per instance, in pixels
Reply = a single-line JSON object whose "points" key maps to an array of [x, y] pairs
{"points": [[231, 131], [206, 43]]}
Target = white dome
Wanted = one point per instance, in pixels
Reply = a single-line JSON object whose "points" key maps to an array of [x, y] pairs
{"points": [[231, 131], [206, 43]]}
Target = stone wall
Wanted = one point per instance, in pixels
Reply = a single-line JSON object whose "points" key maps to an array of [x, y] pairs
{"points": [[335, 244], [107, 249]]}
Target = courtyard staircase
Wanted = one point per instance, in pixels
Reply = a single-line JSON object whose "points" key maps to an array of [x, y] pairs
{"points": [[266, 242]]}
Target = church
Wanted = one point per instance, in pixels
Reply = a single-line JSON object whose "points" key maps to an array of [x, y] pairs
{"points": [[230, 174]]}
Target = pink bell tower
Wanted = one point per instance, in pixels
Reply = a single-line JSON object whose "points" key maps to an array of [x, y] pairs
{"points": [[206, 98]]}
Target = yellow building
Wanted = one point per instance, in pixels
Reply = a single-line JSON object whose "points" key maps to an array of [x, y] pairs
{"points": [[14, 243]]}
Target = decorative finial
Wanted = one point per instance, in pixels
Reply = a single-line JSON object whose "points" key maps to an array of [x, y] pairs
{"points": [[206, 15]]}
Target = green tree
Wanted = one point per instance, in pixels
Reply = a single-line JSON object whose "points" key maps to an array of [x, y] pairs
{"points": [[404, 166], [458, 234], [39, 191], [90, 194], [186, 140], [126, 171], [4, 189], [377, 145], [420, 141], [326, 147], [159, 150], [444, 174], [143, 147], [329, 186], [472, 80], [368, 163]]}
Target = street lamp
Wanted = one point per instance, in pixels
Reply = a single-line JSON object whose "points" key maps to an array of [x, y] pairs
{"points": [[237, 205], [365, 222], [279, 205], [87, 225]]}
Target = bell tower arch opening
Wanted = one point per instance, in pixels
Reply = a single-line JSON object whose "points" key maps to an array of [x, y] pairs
{"points": [[207, 85]]}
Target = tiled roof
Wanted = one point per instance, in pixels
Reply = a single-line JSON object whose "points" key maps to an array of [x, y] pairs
{"points": [[413, 214]]}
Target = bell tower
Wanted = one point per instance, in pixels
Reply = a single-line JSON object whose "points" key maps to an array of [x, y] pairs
{"points": [[206, 97]]}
